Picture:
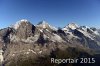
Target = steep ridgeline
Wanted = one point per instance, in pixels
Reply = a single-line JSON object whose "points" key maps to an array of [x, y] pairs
{"points": [[26, 39]]}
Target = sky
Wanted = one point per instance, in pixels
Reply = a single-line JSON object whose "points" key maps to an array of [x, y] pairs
{"points": [[58, 13]]}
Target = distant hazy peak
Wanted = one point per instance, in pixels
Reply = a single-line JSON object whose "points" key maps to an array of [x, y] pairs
{"points": [[42, 22]]}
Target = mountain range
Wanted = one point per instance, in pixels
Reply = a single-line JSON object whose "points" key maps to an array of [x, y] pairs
{"points": [[24, 40]]}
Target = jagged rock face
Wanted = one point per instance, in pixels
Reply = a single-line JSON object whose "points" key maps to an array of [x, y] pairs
{"points": [[4, 34], [25, 30]]}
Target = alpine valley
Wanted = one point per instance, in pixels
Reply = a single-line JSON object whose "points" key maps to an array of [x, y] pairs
{"points": [[25, 44]]}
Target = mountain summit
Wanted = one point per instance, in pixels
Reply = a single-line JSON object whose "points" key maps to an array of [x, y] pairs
{"points": [[72, 26], [43, 24], [18, 23]]}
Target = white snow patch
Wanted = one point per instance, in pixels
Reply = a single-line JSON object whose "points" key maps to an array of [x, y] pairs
{"points": [[96, 32], [65, 29], [24, 20], [27, 52], [40, 52], [41, 30], [1, 56], [32, 51], [56, 38], [53, 28], [13, 54], [16, 26]]}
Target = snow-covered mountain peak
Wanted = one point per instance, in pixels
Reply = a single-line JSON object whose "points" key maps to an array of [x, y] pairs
{"points": [[43, 24], [72, 26], [18, 23]]}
